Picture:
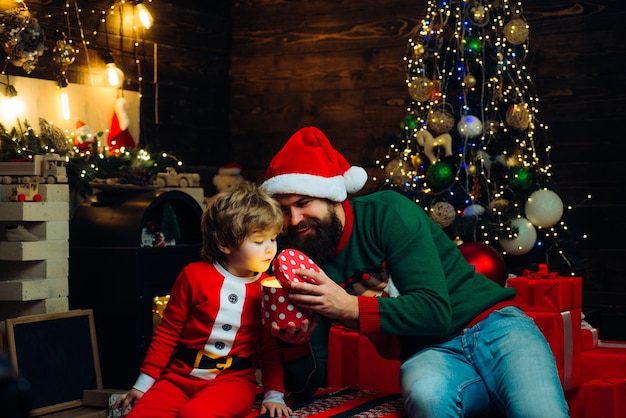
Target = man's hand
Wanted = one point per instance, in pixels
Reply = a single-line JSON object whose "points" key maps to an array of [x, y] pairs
{"points": [[326, 298]]}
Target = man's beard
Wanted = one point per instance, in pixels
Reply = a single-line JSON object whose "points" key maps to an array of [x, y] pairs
{"points": [[322, 244]]}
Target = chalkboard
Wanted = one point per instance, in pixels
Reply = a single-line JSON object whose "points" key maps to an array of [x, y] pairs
{"points": [[58, 355]]}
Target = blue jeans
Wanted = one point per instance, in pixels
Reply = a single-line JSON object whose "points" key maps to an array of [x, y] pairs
{"points": [[502, 363]]}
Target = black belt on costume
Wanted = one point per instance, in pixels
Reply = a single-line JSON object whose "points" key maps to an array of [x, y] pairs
{"points": [[200, 359]]}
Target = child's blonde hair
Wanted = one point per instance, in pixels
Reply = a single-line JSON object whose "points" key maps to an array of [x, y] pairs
{"points": [[234, 214]]}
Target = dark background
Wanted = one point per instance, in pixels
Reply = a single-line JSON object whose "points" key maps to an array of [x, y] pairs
{"points": [[235, 79]]}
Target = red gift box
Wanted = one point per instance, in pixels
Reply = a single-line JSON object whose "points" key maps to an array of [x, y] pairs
{"points": [[545, 291], [604, 361], [354, 361], [588, 338], [289, 260], [276, 309], [562, 331], [605, 398]]}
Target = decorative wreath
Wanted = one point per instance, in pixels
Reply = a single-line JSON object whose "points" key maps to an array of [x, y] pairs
{"points": [[22, 38]]}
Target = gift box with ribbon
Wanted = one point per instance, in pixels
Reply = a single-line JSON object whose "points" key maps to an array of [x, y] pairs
{"points": [[607, 360], [588, 338], [546, 291], [353, 360], [605, 398], [562, 331]]}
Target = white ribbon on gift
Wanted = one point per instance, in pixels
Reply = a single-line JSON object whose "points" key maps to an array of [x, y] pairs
{"points": [[568, 349]]}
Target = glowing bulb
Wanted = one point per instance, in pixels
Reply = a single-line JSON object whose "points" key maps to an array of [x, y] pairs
{"points": [[144, 15], [114, 76], [13, 108], [65, 105]]}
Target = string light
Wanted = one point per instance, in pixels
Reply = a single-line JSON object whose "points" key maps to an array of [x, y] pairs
{"points": [[468, 57]]}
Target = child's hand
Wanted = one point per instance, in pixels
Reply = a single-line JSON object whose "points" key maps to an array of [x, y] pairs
{"points": [[124, 402], [275, 409]]}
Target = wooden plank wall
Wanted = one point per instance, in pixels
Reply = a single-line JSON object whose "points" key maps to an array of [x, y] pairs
{"points": [[338, 65], [184, 61], [236, 78]]}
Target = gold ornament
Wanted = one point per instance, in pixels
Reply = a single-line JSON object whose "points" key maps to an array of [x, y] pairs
{"points": [[518, 116], [63, 53], [499, 205], [440, 120], [471, 169], [516, 31], [420, 89], [443, 214], [469, 80], [398, 171], [416, 160], [418, 50], [478, 15], [159, 303]]}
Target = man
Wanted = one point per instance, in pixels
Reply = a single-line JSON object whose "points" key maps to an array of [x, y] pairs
{"points": [[465, 348]]}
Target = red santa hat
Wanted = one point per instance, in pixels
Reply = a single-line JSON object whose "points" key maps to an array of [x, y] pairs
{"points": [[309, 165], [119, 134]]}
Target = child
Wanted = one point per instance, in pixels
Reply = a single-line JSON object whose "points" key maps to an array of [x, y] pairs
{"points": [[203, 355]]}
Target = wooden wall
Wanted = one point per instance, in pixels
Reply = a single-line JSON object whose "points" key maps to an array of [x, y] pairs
{"points": [[338, 65], [183, 60], [234, 79]]}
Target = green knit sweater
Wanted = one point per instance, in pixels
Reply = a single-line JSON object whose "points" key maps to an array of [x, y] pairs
{"points": [[389, 236]]}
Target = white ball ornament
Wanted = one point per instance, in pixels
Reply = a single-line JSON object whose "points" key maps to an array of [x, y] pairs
{"points": [[474, 210], [544, 208], [470, 126], [525, 239]]}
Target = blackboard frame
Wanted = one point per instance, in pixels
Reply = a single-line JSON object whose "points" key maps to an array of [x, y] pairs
{"points": [[57, 354]]}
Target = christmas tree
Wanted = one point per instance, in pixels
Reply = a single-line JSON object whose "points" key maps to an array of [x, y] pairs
{"points": [[471, 149]]}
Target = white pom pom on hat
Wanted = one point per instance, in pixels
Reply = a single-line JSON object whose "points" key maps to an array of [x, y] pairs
{"points": [[309, 165]]}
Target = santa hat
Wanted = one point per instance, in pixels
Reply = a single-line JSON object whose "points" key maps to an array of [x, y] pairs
{"points": [[119, 134], [309, 165]]}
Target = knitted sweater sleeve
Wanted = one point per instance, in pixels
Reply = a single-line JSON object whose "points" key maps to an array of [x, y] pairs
{"points": [[439, 291]]}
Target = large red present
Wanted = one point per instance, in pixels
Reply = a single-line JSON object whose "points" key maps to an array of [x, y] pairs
{"points": [[545, 291], [562, 331], [353, 360], [605, 398], [607, 360]]}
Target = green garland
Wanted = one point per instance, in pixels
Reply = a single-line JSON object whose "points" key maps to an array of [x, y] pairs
{"points": [[135, 167]]}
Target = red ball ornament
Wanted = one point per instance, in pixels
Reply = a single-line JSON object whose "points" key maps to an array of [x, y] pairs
{"points": [[486, 259]]}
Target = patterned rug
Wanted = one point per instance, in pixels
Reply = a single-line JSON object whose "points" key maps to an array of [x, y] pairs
{"points": [[346, 403]]}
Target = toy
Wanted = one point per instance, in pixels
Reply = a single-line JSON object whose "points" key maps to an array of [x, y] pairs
{"points": [[26, 191], [47, 168], [228, 176], [170, 178]]}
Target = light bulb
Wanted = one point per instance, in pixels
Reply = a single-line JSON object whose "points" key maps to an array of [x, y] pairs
{"points": [[65, 100], [65, 105], [144, 15], [114, 76], [13, 108]]}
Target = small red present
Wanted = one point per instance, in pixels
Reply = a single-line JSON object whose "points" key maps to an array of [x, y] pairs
{"points": [[605, 398], [545, 291], [354, 361], [604, 361], [562, 331], [276, 309], [588, 338], [289, 260]]}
